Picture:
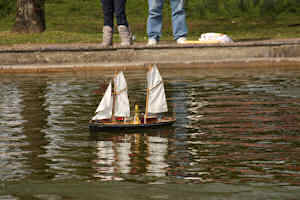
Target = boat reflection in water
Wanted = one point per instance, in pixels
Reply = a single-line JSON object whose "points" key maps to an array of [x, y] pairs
{"points": [[124, 155], [157, 152]]}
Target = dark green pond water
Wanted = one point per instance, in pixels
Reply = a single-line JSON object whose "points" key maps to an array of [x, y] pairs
{"points": [[235, 128]]}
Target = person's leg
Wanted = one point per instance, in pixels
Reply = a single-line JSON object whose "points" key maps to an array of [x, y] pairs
{"points": [[120, 12], [154, 23], [108, 12], [178, 19]]}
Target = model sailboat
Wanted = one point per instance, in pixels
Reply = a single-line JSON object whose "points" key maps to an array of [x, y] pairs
{"points": [[113, 112]]}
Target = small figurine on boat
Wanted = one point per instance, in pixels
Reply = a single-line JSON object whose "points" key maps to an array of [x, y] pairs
{"points": [[113, 112]]}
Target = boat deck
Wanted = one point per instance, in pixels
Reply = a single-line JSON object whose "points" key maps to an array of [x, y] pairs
{"points": [[116, 126]]}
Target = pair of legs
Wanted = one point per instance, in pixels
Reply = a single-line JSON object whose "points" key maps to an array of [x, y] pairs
{"points": [[115, 8], [154, 23]]}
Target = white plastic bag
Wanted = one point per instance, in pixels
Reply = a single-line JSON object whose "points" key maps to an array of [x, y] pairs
{"points": [[217, 37]]}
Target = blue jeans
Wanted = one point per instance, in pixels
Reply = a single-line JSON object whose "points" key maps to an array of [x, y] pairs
{"points": [[154, 23]]}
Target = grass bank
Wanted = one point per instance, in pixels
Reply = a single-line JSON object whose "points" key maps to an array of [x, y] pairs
{"points": [[81, 21]]}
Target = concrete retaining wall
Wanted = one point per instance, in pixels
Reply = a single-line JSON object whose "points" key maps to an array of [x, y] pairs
{"points": [[92, 56]]}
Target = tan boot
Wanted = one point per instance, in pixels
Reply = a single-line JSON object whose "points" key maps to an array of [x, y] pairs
{"points": [[125, 35], [107, 36]]}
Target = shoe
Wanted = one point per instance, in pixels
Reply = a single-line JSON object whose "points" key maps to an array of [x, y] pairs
{"points": [[125, 35], [107, 36], [152, 42], [181, 40]]}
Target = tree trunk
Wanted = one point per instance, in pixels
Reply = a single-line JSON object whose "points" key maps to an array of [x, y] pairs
{"points": [[30, 16]]}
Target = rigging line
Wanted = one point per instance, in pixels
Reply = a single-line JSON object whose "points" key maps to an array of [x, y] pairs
{"points": [[160, 82], [119, 92]]}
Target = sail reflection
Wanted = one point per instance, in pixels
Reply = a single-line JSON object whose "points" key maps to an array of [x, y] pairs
{"points": [[105, 161], [157, 152], [123, 158], [121, 155]]}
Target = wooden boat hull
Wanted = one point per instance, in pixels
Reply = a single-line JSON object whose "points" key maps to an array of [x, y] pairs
{"points": [[98, 126]]}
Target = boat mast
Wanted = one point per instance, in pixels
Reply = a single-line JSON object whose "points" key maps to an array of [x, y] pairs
{"points": [[147, 99], [113, 118]]}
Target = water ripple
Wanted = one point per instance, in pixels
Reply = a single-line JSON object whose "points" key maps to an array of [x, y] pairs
{"points": [[233, 126]]}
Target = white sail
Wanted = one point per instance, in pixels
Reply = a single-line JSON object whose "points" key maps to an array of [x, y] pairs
{"points": [[122, 108], [156, 98], [104, 110]]}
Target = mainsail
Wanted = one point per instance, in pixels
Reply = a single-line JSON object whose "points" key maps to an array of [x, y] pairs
{"points": [[104, 110], [121, 105], [156, 93], [122, 108]]}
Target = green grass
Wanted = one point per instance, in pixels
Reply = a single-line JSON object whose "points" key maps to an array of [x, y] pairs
{"points": [[81, 21]]}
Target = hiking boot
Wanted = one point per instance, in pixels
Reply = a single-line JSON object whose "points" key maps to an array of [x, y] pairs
{"points": [[107, 36], [125, 35]]}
